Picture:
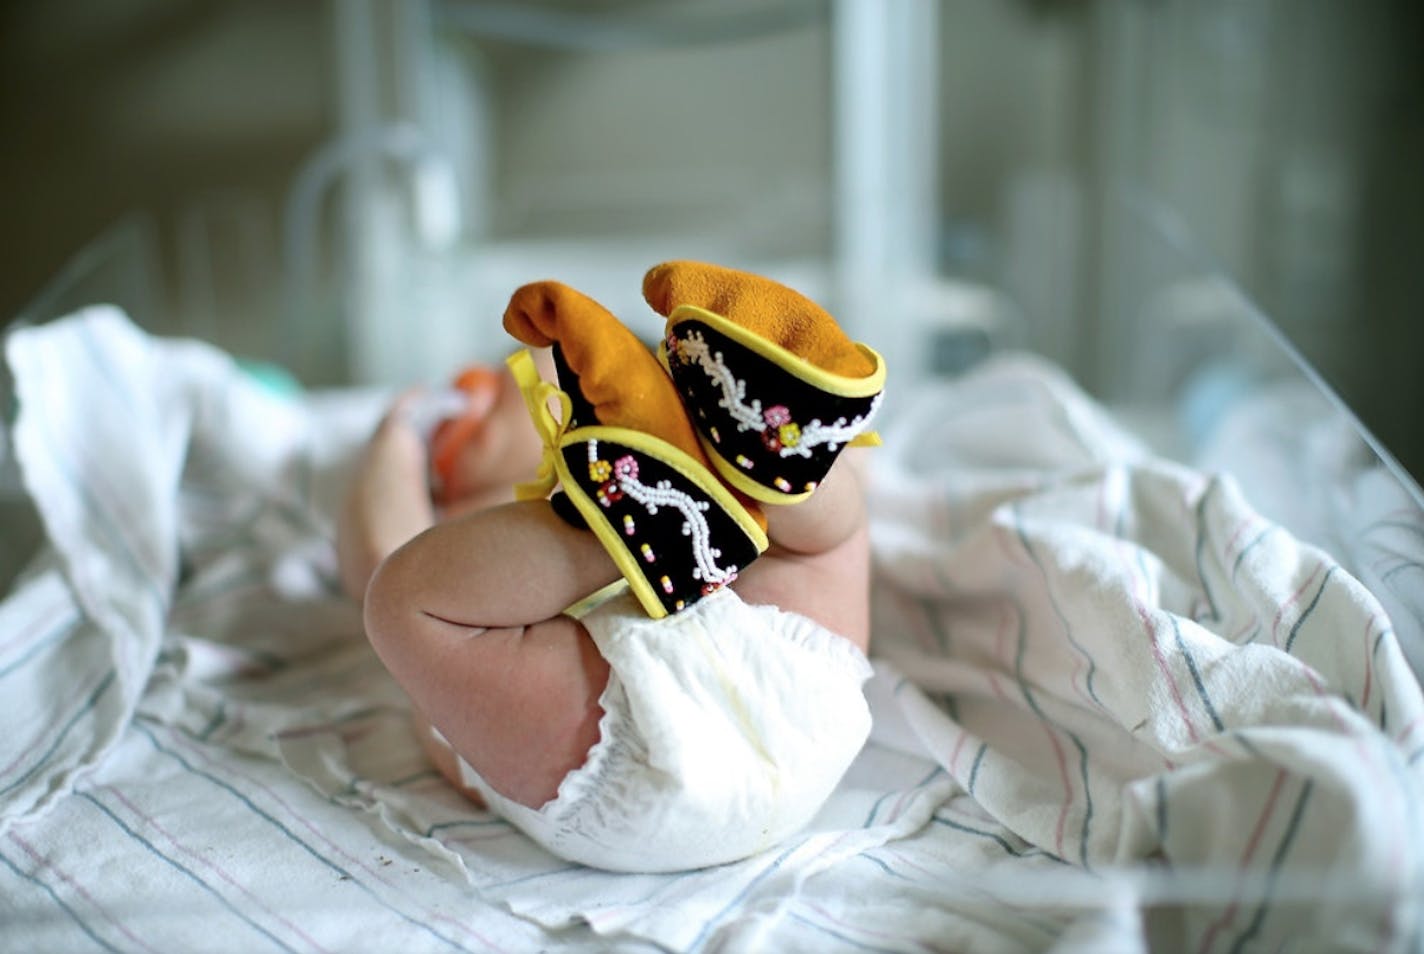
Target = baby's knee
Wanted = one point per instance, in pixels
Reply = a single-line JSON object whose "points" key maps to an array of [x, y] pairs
{"points": [[387, 605]]}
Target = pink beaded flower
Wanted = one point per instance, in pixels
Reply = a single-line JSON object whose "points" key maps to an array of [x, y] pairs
{"points": [[776, 415]]}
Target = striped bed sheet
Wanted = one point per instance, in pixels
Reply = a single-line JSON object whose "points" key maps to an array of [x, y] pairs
{"points": [[1116, 709]]}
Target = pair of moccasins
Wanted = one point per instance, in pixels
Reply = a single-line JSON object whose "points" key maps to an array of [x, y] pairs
{"points": [[752, 395]]}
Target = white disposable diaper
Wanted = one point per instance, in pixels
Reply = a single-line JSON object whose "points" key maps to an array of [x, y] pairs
{"points": [[725, 729]]}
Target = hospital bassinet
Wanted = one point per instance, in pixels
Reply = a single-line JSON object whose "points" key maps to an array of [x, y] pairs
{"points": [[1147, 640]]}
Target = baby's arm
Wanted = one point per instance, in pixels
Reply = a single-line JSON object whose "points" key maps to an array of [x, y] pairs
{"points": [[387, 503]]}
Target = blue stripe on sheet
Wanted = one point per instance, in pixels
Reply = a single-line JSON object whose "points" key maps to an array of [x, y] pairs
{"points": [[1050, 725], [574, 872], [413, 778], [1016, 510], [1387, 575], [1390, 523], [875, 808], [1242, 739], [1405, 786], [707, 926], [112, 529], [83, 710], [1049, 927], [197, 879], [57, 633], [99, 357], [218, 717], [1196, 675], [1087, 799], [974, 769], [1201, 546], [1295, 630], [59, 902], [1236, 565], [466, 823], [1293, 826], [291, 836], [1160, 788], [867, 856], [842, 938], [1028, 852]]}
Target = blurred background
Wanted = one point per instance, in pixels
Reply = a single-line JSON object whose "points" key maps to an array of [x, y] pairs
{"points": [[351, 188]]}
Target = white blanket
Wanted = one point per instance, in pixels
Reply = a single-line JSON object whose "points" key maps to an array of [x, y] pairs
{"points": [[1114, 705]]}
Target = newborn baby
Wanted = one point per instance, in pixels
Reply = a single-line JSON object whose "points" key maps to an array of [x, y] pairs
{"points": [[659, 667]]}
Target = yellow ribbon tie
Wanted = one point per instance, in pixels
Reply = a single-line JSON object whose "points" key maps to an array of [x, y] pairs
{"points": [[551, 427]]}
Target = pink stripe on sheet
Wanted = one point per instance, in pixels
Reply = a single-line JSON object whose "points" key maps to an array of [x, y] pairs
{"points": [[1294, 598], [1069, 793], [59, 727], [1245, 628], [196, 750], [1245, 523], [1403, 734], [1158, 656], [849, 931], [86, 475], [1065, 777], [209, 864], [43, 621], [1370, 625], [927, 635], [1006, 537], [958, 748], [1081, 685], [1272, 798], [1161, 660], [1139, 605], [1378, 783], [77, 888]]}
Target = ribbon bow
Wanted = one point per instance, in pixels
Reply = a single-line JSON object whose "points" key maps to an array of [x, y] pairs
{"points": [[551, 427]]}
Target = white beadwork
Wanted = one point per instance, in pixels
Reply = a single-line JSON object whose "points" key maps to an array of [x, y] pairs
{"points": [[749, 417], [835, 434], [665, 495]]}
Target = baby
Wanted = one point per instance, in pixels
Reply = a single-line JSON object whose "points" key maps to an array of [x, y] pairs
{"points": [[660, 667]]}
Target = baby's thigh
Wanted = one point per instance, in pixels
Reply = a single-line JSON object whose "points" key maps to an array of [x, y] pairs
{"points": [[520, 705], [446, 762]]}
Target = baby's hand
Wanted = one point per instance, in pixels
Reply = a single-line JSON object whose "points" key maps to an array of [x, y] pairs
{"points": [[388, 500], [478, 457], [396, 457]]}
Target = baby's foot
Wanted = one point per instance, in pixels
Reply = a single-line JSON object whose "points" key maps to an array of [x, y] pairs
{"points": [[627, 457], [775, 388]]}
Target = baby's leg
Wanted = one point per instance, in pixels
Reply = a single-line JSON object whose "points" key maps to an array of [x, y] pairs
{"points": [[819, 561], [467, 618]]}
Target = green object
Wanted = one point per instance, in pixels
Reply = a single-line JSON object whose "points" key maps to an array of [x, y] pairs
{"points": [[273, 377]]}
